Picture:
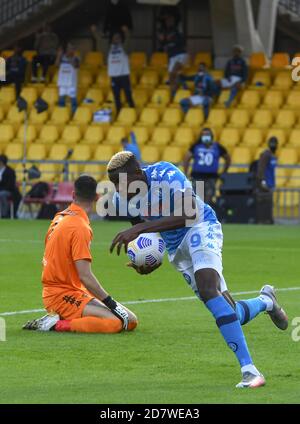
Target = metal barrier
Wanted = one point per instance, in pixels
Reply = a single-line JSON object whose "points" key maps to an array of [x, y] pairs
{"points": [[9, 9], [286, 204]]}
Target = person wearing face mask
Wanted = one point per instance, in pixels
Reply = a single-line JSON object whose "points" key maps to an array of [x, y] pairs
{"points": [[206, 154], [204, 91], [236, 74], [118, 66]]}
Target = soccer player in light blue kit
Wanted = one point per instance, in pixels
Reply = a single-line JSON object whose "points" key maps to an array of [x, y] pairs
{"points": [[194, 245]]}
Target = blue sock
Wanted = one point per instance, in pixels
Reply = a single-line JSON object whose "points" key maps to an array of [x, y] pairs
{"points": [[246, 310], [230, 327]]}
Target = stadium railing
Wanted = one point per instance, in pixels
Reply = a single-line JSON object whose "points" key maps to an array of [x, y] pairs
{"points": [[9, 9]]}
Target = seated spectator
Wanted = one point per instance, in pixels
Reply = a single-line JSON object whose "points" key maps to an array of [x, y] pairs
{"points": [[132, 146], [46, 44], [205, 89], [67, 76], [16, 69], [236, 73], [8, 188], [118, 66], [172, 41], [117, 18]]}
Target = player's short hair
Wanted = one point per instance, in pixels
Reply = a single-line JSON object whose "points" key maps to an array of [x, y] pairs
{"points": [[125, 161], [3, 159], [85, 188]]}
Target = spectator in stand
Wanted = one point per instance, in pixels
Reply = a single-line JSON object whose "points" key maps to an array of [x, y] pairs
{"points": [[172, 42], [204, 91], [68, 64], [118, 65], [206, 154], [117, 18], [8, 188], [236, 74], [16, 69], [132, 146], [46, 44]]}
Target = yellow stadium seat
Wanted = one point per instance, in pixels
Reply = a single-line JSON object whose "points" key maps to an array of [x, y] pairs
{"points": [[7, 133], [6, 53], [50, 172], [293, 100], [82, 117], [184, 137], [294, 181], [217, 74], [7, 94], [85, 78], [194, 118], [36, 152], [229, 137], [29, 54], [50, 95], [262, 119], [161, 97], [261, 79], [258, 152], [150, 154], [288, 156], [48, 135], [94, 59], [149, 117], [30, 94], [36, 118], [96, 95], [93, 135], [74, 171], [103, 153], [250, 100], [281, 177], [2, 113], [294, 138], [258, 60], [127, 116], [60, 115], [103, 80], [272, 100], [150, 79], [160, 137], [14, 116], [239, 119], [241, 155], [81, 152], [282, 81], [159, 60], [284, 119], [279, 133], [280, 60], [140, 96], [115, 135], [203, 57], [217, 118], [252, 137], [181, 94], [141, 133], [31, 134], [171, 117], [138, 60], [94, 170], [70, 135], [172, 154], [14, 151], [58, 152]]}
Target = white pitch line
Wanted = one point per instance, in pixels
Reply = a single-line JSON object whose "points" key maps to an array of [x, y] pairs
{"points": [[138, 302]]}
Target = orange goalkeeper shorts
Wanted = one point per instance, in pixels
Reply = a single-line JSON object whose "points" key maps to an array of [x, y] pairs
{"points": [[68, 304]]}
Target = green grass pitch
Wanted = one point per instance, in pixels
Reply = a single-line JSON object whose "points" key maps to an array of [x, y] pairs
{"points": [[176, 355]]}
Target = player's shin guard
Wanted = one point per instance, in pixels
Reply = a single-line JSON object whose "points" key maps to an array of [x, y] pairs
{"points": [[230, 328], [90, 325], [246, 310]]}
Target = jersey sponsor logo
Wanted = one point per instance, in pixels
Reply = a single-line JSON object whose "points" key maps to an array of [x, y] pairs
{"points": [[233, 346]]}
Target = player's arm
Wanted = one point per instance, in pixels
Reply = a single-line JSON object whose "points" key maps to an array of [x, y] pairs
{"points": [[90, 281]]}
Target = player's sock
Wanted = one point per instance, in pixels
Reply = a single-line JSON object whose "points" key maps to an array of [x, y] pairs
{"points": [[246, 310], [90, 325], [230, 327]]}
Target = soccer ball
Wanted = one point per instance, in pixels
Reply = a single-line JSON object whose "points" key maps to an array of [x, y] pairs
{"points": [[146, 250]]}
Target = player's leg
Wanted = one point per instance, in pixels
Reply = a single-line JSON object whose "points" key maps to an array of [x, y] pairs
{"points": [[185, 104]]}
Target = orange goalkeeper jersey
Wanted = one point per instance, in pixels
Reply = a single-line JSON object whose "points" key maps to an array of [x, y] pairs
{"points": [[68, 239]]}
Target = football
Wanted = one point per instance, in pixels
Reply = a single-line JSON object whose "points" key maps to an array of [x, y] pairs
{"points": [[146, 250]]}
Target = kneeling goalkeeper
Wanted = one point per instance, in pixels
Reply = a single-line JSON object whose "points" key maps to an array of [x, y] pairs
{"points": [[72, 295]]}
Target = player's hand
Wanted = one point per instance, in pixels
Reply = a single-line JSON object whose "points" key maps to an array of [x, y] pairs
{"points": [[123, 238], [143, 270], [117, 310]]}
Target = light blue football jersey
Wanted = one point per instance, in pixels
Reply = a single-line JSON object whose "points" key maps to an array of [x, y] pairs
{"points": [[158, 174]]}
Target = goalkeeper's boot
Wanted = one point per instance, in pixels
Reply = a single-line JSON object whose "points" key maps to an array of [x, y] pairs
{"points": [[46, 323], [251, 381], [277, 314]]}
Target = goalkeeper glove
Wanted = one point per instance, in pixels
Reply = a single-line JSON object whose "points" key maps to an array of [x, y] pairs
{"points": [[117, 310]]}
